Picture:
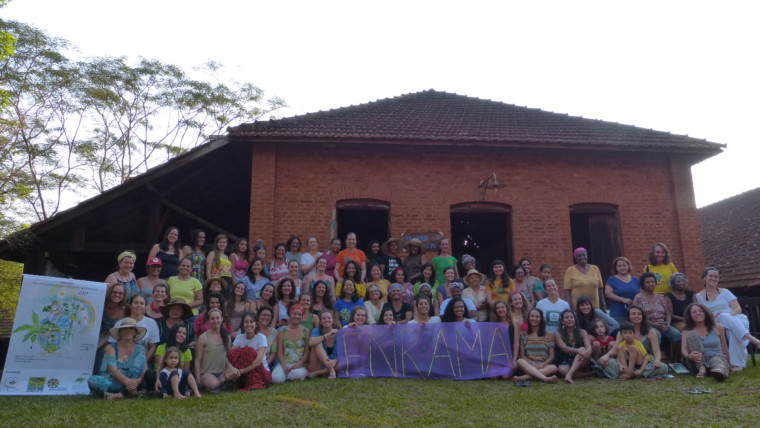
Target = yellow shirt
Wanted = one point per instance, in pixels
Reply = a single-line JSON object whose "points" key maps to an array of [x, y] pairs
{"points": [[662, 273], [583, 285], [638, 345]]}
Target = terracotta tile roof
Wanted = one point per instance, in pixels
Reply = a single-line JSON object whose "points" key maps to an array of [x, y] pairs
{"points": [[731, 239], [440, 116]]}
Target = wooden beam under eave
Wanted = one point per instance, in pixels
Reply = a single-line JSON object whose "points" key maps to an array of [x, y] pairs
{"points": [[174, 207]]}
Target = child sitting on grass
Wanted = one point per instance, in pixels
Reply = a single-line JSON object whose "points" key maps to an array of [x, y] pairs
{"points": [[631, 355], [174, 381], [601, 341]]}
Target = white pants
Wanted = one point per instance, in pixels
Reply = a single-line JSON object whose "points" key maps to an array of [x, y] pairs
{"points": [[278, 374], [737, 326]]}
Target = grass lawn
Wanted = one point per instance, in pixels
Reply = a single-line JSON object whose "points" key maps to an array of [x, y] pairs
{"points": [[393, 402]]}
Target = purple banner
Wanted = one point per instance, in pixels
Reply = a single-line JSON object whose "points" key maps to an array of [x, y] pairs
{"points": [[461, 350]]}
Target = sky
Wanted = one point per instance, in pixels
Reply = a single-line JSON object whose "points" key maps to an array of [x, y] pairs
{"points": [[685, 67]]}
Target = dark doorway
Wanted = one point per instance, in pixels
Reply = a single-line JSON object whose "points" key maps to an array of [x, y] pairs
{"points": [[368, 218], [482, 230], [595, 228]]}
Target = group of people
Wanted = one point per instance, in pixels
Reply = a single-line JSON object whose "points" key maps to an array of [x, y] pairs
{"points": [[233, 318]]}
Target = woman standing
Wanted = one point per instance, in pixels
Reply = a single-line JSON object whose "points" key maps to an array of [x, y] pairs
{"points": [[294, 270], [374, 254], [373, 303], [159, 299], [239, 259], [499, 285], [661, 267], [409, 290], [535, 284], [390, 260], [415, 260], [402, 312], [152, 279], [376, 277], [185, 287], [321, 298], [347, 301], [237, 307], [727, 312], [286, 295], [169, 251], [331, 257], [292, 349], [278, 269], [705, 349], [680, 297], [444, 260], [444, 289], [536, 351], [197, 254], [203, 322], [124, 363], [212, 369], [150, 340], [584, 279], [114, 309], [522, 285], [476, 293], [124, 275], [293, 247], [318, 274], [218, 264], [255, 280], [574, 345], [621, 288], [309, 259]]}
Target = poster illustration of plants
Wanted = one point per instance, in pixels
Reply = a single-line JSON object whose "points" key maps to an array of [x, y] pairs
{"points": [[55, 336]]}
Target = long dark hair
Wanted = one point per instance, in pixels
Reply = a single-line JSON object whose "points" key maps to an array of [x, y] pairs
{"points": [[583, 320], [272, 300], [164, 244], [327, 300], [432, 279], [171, 337], [448, 314], [250, 275], [222, 331], [194, 239], [358, 276], [385, 309], [504, 276], [709, 319], [644, 326], [541, 326], [354, 296], [577, 337]]}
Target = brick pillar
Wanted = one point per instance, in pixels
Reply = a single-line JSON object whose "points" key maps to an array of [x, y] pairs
{"points": [[689, 257], [263, 182]]}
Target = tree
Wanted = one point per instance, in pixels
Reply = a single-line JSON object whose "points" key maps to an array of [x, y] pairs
{"points": [[10, 287], [92, 124], [7, 48]]}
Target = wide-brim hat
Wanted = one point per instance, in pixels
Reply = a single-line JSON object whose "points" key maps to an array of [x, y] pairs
{"points": [[474, 272], [127, 323], [187, 311], [415, 242], [398, 241], [215, 278]]}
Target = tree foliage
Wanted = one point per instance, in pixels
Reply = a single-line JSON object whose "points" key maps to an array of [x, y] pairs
{"points": [[10, 287], [92, 124]]}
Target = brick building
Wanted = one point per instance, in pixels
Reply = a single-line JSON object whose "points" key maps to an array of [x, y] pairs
{"points": [[731, 239], [503, 181]]}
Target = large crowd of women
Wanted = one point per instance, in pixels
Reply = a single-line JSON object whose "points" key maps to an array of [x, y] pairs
{"points": [[236, 318]]}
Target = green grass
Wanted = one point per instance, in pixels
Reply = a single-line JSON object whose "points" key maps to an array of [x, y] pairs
{"points": [[393, 402]]}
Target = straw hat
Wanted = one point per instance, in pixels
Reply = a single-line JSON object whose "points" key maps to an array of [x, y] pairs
{"points": [[221, 280], [127, 323], [414, 242], [187, 311], [474, 272], [398, 241]]}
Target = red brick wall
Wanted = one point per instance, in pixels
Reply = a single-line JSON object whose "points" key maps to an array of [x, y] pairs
{"points": [[654, 195]]}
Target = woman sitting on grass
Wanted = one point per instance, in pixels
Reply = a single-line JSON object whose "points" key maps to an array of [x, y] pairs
{"points": [[249, 356], [212, 369], [648, 338], [574, 345], [292, 348], [123, 363], [705, 348], [324, 355], [536, 351], [500, 314]]}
